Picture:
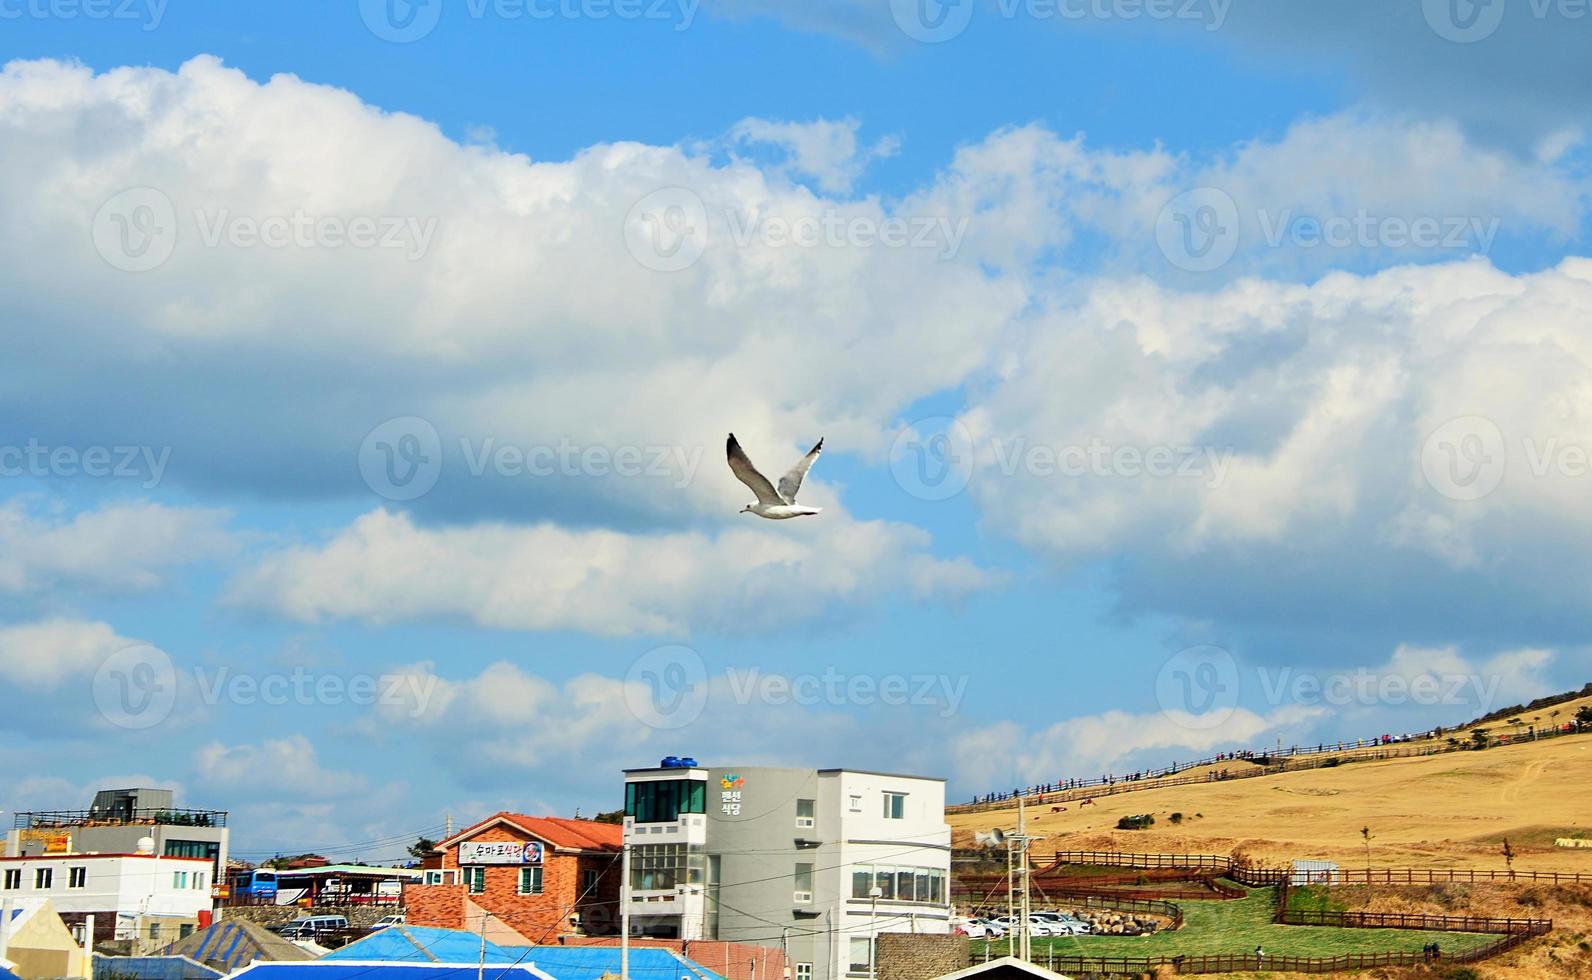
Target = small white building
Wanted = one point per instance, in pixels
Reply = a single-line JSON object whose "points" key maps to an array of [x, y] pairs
{"points": [[144, 897], [820, 861]]}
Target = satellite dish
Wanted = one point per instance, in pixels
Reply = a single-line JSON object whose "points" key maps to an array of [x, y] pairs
{"points": [[994, 838]]}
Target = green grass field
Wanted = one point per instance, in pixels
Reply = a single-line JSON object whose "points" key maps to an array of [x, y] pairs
{"points": [[1238, 926]]}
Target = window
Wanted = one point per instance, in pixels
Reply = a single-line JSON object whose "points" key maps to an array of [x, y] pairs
{"points": [[804, 971], [856, 804], [76, 877], [13, 879], [589, 878], [441, 877], [926, 885], [42, 877], [895, 806], [154, 932], [804, 883], [179, 879], [198, 881], [663, 800], [806, 814], [861, 955], [665, 867], [531, 880], [476, 879]]}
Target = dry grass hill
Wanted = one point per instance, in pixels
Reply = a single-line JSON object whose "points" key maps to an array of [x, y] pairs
{"points": [[1448, 810]]}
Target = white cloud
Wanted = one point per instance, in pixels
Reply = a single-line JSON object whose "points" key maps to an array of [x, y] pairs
{"points": [[825, 150], [119, 547], [288, 765], [384, 568], [44, 655]]}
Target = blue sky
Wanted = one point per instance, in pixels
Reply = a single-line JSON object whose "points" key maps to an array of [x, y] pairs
{"points": [[1224, 345]]}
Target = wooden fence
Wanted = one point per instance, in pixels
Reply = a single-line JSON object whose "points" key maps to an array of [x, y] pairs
{"points": [[1265, 877]]}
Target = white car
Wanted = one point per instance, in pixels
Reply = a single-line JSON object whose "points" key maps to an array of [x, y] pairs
{"points": [[387, 920], [1063, 924], [1036, 925]]}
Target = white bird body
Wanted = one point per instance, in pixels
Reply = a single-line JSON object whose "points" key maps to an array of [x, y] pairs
{"points": [[775, 504]]}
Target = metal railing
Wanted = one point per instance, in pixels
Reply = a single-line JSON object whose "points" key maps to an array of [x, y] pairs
{"points": [[162, 816]]}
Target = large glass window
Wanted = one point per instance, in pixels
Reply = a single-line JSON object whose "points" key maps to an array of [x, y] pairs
{"points": [[663, 800], [664, 867], [900, 884]]}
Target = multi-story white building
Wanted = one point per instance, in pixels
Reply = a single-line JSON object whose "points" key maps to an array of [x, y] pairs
{"points": [[131, 896], [819, 861]]}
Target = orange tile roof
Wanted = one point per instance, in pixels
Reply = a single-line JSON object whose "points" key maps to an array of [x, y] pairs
{"points": [[561, 832]]}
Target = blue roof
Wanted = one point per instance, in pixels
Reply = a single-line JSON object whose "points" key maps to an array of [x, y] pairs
{"points": [[420, 944], [591, 962], [367, 970], [8, 975]]}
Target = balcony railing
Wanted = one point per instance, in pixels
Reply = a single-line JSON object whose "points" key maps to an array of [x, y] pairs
{"points": [[165, 817]]}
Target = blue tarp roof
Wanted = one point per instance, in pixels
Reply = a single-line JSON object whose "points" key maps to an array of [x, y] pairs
{"points": [[8, 975], [591, 962], [367, 970], [419, 944]]}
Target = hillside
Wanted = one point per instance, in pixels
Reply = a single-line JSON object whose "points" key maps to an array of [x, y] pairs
{"points": [[1452, 809]]}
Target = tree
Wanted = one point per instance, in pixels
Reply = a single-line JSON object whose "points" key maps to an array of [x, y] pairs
{"points": [[1479, 736], [422, 847], [1584, 716]]}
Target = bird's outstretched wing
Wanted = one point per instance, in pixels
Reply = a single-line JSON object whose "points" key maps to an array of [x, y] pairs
{"points": [[791, 482], [747, 474]]}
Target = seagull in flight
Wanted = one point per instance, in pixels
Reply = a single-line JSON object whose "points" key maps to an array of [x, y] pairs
{"points": [[776, 505]]}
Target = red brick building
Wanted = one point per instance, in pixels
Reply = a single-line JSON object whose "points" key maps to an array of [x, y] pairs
{"points": [[543, 877]]}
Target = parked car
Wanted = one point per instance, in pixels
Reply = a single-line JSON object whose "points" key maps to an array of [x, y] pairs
{"points": [[314, 926], [992, 929], [1036, 925], [396, 919]]}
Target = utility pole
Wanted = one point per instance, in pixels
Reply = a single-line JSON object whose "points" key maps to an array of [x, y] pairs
{"points": [[624, 911], [1019, 914], [480, 967]]}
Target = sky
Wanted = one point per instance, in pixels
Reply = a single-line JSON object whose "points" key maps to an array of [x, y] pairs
{"points": [[1193, 375]]}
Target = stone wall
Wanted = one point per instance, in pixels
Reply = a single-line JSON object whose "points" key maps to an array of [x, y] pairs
{"points": [[359, 916], [913, 956]]}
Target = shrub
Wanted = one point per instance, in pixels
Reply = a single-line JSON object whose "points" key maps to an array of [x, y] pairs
{"points": [[1138, 821], [1176, 818]]}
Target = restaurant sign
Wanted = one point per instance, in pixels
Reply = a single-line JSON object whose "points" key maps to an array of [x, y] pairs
{"points": [[500, 852]]}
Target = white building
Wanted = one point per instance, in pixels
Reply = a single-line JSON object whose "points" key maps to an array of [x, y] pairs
{"points": [[130, 896], [817, 860]]}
